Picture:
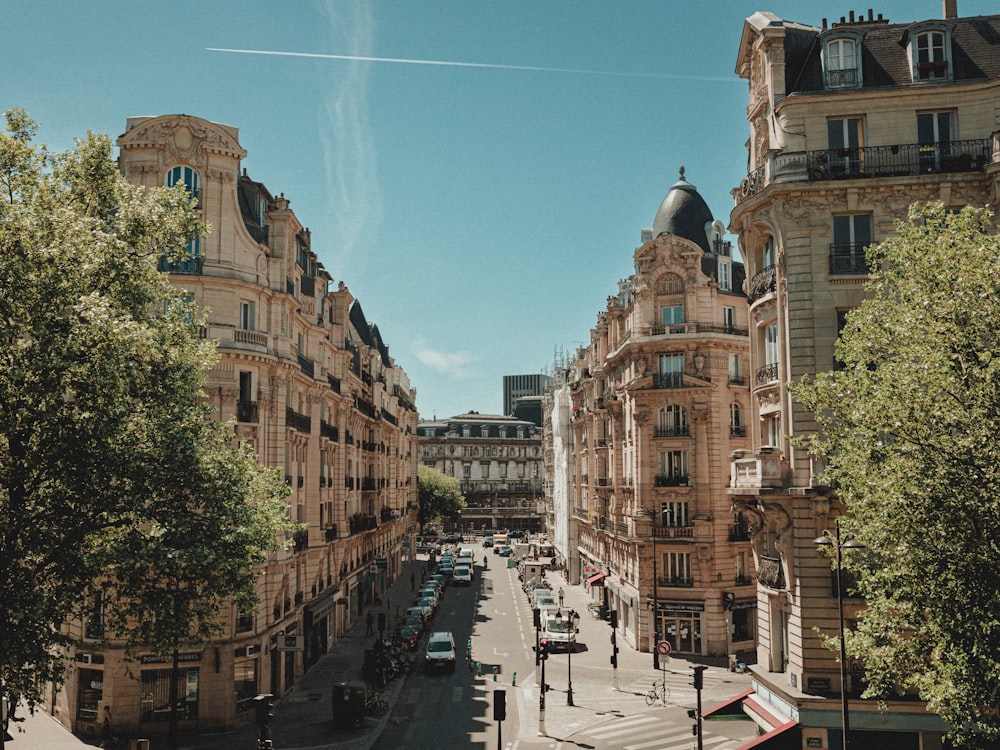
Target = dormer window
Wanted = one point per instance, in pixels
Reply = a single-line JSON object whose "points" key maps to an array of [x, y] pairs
{"points": [[930, 53], [841, 63]]}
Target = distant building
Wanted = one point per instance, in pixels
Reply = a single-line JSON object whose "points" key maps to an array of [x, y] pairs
{"points": [[498, 463], [849, 124], [519, 386]]}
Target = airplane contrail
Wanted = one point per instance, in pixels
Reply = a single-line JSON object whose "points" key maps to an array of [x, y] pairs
{"points": [[454, 64]]}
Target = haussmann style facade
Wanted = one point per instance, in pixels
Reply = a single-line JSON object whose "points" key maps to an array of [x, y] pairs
{"points": [[311, 386], [645, 419], [850, 123]]}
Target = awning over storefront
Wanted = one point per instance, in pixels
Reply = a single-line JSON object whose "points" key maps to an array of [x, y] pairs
{"points": [[597, 579], [782, 733]]}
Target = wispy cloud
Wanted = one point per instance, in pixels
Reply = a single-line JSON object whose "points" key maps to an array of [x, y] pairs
{"points": [[491, 66], [457, 365], [350, 158]]}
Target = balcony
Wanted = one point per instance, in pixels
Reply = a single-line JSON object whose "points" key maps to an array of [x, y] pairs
{"points": [[296, 421], [739, 532], [671, 480], [674, 329], [246, 411], [770, 573], [329, 431], [190, 266], [251, 338], [675, 581], [673, 532], [672, 431], [307, 366], [668, 380], [756, 471], [301, 540], [767, 374], [334, 383], [763, 282], [737, 430], [848, 259], [894, 160]]}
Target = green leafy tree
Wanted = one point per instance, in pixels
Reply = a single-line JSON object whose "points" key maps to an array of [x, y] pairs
{"points": [[910, 427], [440, 496], [113, 474]]}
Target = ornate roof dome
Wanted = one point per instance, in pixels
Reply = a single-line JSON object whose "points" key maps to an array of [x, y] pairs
{"points": [[684, 213]]}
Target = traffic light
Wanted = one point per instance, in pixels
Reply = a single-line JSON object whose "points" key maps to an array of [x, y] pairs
{"points": [[499, 705], [698, 677], [543, 649], [694, 730], [264, 712], [536, 616], [614, 619]]}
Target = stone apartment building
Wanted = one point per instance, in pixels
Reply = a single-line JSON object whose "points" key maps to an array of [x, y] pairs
{"points": [[655, 404], [850, 122], [499, 466], [310, 384]]}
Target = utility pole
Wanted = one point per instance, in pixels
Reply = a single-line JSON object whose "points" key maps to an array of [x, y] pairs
{"points": [[699, 681], [614, 647]]}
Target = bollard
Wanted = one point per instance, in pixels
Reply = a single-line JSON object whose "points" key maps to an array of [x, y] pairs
{"points": [[495, 670], [513, 682], [479, 669]]}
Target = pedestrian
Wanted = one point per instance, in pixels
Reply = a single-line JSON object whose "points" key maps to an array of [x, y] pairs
{"points": [[561, 595], [412, 579], [369, 620], [107, 736]]}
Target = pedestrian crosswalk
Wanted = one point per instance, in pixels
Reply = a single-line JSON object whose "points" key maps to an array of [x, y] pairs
{"points": [[650, 732]]}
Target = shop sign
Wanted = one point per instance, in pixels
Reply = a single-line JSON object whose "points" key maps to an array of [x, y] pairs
{"points": [[157, 659]]}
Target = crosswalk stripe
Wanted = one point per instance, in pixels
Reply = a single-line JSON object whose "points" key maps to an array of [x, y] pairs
{"points": [[659, 741], [456, 694], [622, 727]]}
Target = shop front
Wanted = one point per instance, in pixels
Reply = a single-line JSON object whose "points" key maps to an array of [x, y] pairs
{"points": [[680, 624]]}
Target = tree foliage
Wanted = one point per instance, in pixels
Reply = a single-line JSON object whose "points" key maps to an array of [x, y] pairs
{"points": [[911, 430], [113, 474], [440, 496]]}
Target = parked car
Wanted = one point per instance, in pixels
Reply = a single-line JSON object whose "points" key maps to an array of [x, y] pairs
{"points": [[429, 592], [440, 651], [421, 611], [427, 603], [446, 571]]}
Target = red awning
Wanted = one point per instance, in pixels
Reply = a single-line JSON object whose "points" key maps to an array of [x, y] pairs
{"points": [[777, 736], [597, 580]]}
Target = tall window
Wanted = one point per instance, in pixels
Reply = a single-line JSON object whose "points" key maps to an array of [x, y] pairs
{"points": [[671, 371], [735, 370], [673, 421], [851, 235], [672, 315], [725, 273], [729, 318], [736, 426], [247, 316], [774, 430], [767, 255], [674, 514], [187, 177], [931, 57], [679, 567], [935, 132], [245, 684], [673, 468], [841, 63], [845, 144], [771, 344]]}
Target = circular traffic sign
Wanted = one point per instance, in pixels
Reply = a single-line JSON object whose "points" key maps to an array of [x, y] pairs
{"points": [[663, 648]]}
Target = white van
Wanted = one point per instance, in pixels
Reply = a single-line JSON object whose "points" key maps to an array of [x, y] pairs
{"points": [[440, 651], [462, 575], [465, 553], [558, 630]]}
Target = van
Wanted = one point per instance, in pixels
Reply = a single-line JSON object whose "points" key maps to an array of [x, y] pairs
{"points": [[465, 554], [558, 630], [462, 575], [440, 651]]}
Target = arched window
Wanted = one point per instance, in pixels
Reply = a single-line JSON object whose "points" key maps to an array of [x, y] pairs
{"points": [[187, 177]]}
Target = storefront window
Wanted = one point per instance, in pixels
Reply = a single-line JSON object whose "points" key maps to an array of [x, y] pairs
{"points": [[156, 695], [245, 684], [743, 620], [91, 693]]}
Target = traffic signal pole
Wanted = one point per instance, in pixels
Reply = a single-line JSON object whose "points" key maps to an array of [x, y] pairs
{"points": [[543, 655]]}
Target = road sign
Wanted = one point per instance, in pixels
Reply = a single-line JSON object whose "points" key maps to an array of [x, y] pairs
{"points": [[663, 648]]}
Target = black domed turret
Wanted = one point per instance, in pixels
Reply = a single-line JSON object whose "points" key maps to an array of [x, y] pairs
{"points": [[684, 213]]}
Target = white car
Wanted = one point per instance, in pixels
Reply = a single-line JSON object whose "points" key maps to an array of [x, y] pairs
{"points": [[440, 651]]}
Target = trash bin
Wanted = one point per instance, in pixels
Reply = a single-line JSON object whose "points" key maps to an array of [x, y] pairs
{"points": [[349, 703]]}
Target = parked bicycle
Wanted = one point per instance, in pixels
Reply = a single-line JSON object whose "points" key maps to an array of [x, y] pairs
{"points": [[376, 704], [659, 692]]}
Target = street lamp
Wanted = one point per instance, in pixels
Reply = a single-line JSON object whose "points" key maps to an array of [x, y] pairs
{"points": [[572, 625], [839, 546]]}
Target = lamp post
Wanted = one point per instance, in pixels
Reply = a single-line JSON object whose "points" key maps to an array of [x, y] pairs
{"points": [[839, 546], [572, 623], [656, 601]]}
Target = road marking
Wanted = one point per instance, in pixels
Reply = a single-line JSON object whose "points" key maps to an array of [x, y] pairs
{"points": [[456, 694], [659, 741], [623, 727]]}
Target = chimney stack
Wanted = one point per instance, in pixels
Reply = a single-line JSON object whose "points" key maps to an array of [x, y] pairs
{"points": [[949, 8]]}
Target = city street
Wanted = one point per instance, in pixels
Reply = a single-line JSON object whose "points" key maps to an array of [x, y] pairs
{"points": [[609, 711]]}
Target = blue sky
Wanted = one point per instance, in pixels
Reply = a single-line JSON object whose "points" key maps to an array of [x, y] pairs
{"points": [[482, 213]]}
